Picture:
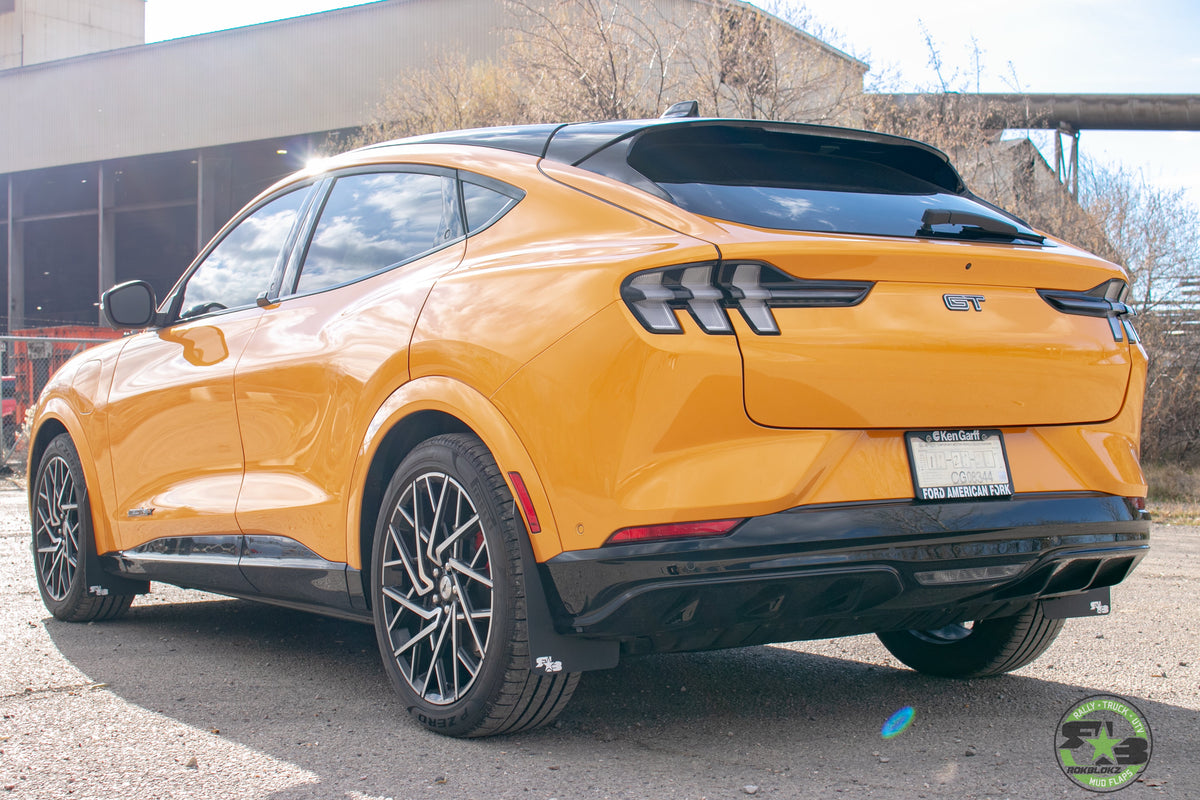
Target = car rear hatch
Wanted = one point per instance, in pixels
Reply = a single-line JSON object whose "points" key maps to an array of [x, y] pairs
{"points": [[925, 334], [868, 288]]}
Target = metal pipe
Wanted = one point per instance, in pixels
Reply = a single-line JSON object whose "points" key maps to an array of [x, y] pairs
{"points": [[1113, 112]]}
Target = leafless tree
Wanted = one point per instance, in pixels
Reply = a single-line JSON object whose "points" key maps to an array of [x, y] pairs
{"points": [[740, 61], [1155, 234], [450, 94], [592, 59]]}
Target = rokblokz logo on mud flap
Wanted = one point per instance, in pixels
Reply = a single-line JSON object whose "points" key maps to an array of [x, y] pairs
{"points": [[1103, 743]]}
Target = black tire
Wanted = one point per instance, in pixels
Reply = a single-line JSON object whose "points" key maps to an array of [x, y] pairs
{"points": [[988, 647], [455, 648], [61, 521]]}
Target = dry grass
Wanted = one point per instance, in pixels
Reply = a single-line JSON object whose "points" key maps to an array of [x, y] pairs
{"points": [[1174, 494], [1173, 482], [1172, 513]]}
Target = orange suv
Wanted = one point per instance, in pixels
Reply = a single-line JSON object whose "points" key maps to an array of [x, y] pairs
{"points": [[530, 399]]}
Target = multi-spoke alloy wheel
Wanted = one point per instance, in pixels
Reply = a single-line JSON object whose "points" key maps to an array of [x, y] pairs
{"points": [[437, 587], [447, 595], [56, 527], [61, 519]]}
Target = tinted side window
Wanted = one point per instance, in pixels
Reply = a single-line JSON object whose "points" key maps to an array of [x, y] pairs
{"points": [[371, 222], [483, 205], [241, 266]]}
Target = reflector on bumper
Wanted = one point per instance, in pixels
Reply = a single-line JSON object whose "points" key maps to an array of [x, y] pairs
{"points": [[967, 574], [674, 530]]}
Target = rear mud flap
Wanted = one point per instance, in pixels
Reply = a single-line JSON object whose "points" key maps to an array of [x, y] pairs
{"points": [[1094, 603], [549, 650]]}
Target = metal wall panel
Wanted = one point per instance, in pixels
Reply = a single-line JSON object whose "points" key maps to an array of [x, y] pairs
{"points": [[321, 72]]}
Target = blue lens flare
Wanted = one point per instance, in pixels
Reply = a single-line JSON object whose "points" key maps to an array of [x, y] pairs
{"points": [[897, 723]]}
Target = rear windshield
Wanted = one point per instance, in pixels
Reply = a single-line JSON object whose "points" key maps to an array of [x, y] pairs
{"points": [[790, 181]]}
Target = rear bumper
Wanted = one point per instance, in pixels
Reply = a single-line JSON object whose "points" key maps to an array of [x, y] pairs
{"points": [[821, 571]]}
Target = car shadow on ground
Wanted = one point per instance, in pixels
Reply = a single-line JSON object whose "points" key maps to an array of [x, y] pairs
{"points": [[311, 691]]}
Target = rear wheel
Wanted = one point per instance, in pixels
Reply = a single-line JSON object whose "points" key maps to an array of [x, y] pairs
{"points": [[975, 650], [62, 539], [449, 599]]}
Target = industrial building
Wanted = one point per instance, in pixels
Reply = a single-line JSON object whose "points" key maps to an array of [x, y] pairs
{"points": [[121, 163], [120, 159]]}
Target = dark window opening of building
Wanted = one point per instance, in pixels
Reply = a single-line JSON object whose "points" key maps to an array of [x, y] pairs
{"points": [[155, 180], [155, 245], [60, 190], [61, 269], [257, 165]]}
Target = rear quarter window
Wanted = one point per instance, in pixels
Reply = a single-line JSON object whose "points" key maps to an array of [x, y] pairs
{"points": [[483, 205]]}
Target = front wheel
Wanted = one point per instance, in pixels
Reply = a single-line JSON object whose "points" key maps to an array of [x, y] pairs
{"points": [[448, 596], [61, 517], [976, 650]]}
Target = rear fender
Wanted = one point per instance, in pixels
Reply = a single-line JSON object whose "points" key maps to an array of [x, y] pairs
{"points": [[549, 651], [474, 410]]}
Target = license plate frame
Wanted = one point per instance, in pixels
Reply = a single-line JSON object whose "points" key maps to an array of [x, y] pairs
{"points": [[965, 464]]}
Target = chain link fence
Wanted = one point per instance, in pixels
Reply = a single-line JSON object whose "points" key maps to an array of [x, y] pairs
{"points": [[26, 364]]}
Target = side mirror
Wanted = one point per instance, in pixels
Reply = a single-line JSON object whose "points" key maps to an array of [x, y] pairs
{"points": [[129, 305]]}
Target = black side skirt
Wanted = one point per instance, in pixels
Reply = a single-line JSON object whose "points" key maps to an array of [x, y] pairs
{"points": [[270, 569]]}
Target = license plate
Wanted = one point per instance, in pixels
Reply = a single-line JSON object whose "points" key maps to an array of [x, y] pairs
{"points": [[966, 464]]}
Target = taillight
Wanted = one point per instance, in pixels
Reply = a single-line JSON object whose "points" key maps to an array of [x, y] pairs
{"points": [[1110, 299], [755, 288], [673, 530], [708, 290], [654, 295]]}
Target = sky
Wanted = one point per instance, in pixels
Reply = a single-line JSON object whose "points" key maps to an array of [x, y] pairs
{"points": [[1052, 46]]}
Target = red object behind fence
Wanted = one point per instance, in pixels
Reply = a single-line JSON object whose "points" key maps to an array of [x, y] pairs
{"points": [[33, 362]]}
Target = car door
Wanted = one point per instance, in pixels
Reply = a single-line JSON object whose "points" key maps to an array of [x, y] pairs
{"points": [[323, 359], [175, 444]]}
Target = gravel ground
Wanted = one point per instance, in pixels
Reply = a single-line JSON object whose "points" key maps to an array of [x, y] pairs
{"points": [[197, 696]]}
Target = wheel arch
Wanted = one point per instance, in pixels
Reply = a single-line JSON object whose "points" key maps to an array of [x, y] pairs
{"points": [[396, 443], [418, 411], [55, 418]]}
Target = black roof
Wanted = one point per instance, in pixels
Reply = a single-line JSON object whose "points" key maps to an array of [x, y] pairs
{"points": [[604, 145]]}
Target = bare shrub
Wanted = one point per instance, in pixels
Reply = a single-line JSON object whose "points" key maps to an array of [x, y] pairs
{"points": [[1173, 482]]}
